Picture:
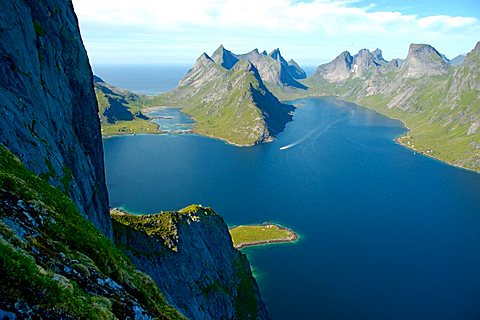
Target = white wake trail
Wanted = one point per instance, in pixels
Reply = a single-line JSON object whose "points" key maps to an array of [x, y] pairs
{"points": [[317, 131]]}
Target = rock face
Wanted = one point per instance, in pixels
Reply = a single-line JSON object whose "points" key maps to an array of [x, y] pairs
{"points": [[345, 65], [424, 60], [295, 70], [231, 104], [457, 61], [365, 60], [189, 254], [273, 68], [224, 57], [49, 112], [338, 70]]}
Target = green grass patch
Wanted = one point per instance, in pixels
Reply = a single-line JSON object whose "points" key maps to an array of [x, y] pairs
{"points": [[243, 236]]}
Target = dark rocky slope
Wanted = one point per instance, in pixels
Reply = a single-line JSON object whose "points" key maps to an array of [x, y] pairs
{"points": [[190, 256], [49, 112]]}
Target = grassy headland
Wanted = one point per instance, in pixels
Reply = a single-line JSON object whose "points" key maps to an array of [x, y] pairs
{"points": [[267, 233]]}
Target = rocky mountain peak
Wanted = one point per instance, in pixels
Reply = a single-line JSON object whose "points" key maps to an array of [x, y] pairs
{"points": [[275, 54], [458, 60], [477, 46], [365, 59], [424, 60], [202, 71], [337, 70], [224, 57], [295, 70]]}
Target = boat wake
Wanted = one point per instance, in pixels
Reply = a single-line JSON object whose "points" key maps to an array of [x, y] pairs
{"points": [[317, 132]]}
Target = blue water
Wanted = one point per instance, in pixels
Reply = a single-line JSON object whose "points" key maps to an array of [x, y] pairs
{"points": [[172, 120], [143, 79], [386, 233]]}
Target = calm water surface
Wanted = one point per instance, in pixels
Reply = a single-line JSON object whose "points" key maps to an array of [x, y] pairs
{"points": [[142, 79], [386, 233]]}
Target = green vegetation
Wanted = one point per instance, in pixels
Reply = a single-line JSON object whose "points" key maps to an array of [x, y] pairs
{"points": [[244, 236], [246, 304], [54, 259], [121, 111], [136, 126], [163, 224], [39, 29]]}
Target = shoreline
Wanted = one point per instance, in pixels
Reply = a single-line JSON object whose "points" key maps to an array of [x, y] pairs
{"points": [[293, 237]]}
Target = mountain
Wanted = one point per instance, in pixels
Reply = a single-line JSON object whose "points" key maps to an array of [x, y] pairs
{"points": [[337, 70], [458, 60], [437, 102], [231, 104], [423, 60], [61, 256], [224, 57], [273, 68], [295, 70], [120, 110]]}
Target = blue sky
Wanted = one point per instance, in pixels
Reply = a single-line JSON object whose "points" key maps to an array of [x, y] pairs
{"points": [[311, 32]]}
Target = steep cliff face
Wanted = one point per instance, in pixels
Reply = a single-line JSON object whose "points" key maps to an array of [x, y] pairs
{"points": [[337, 70], [49, 112], [423, 60], [189, 255]]}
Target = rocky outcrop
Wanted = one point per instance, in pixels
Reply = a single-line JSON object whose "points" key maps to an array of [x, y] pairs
{"points": [[273, 68], [337, 70], [190, 256], [423, 60], [365, 61], [295, 70], [224, 57], [49, 115]]}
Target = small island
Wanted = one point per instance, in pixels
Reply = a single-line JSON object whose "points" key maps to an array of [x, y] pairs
{"points": [[267, 233]]}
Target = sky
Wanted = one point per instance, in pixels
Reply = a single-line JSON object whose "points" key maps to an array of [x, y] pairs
{"points": [[309, 31]]}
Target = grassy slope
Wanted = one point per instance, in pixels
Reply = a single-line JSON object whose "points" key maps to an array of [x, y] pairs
{"points": [[232, 116], [129, 104], [34, 264]]}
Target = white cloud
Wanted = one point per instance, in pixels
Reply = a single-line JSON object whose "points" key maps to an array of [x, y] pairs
{"points": [[311, 30], [285, 15]]}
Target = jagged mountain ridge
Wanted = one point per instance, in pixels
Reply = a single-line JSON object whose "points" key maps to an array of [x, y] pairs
{"points": [[437, 101], [273, 68], [231, 104]]}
